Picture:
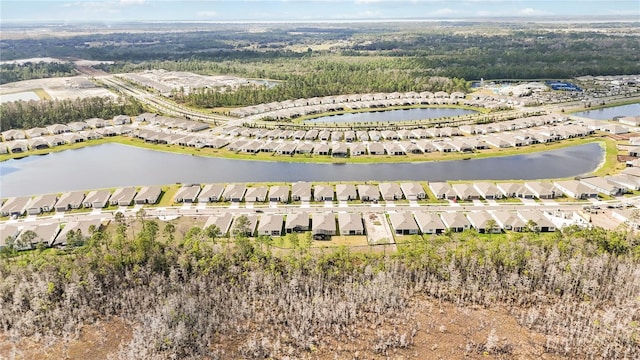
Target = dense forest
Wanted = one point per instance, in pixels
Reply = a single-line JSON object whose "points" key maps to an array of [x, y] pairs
{"points": [[192, 294], [27, 71], [30, 114]]}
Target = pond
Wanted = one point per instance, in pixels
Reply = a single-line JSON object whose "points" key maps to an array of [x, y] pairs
{"points": [[611, 112], [116, 165], [391, 115]]}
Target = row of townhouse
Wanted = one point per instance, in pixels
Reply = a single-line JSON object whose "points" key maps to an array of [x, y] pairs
{"points": [[52, 234], [321, 224], [96, 199], [424, 222], [300, 106], [57, 129]]}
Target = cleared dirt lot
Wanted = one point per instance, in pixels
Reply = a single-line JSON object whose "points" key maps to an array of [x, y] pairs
{"points": [[59, 88]]}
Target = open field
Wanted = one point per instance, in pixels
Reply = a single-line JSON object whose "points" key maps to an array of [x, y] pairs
{"points": [[58, 88]]}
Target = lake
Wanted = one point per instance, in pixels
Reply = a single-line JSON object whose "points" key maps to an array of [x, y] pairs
{"points": [[116, 165], [610, 113], [392, 115]]}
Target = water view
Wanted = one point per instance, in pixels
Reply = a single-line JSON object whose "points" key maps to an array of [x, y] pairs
{"points": [[612, 112], [392, 115], [102, 166]]}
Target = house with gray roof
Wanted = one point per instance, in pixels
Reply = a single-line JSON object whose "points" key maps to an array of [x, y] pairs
{"points": [[376, 148], [271, 225], [481, 221], [297, 221], [187, 193], [509, 220], [70, 200], [83, 226], [323, 193], [58, 129], [221, 221], [442, 190], [466, 191], [357, 149], [279, 193], [36, 132], [510, 190], [45, 233], [97, 199], [455, 221], [368, 192], [350, 223], [346, 192], [429, 222], [413, 191], [625, 181], [403, 223], [576, 189], [340, 150], [487, 190], [321, 149], [542, 189], [390, 191], [542, 224], [8, 231], [323, 224], [148, 195], [14, 134], [301, 191], [250, 229], [256, 194], [210, 193], [123, 196], [601, 185], [234, 192], [41, 204]]}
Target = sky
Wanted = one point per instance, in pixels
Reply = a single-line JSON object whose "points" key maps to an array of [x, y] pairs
{"points": [[304, 10]]}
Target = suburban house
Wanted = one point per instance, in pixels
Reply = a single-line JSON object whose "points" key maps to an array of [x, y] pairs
{"points": [[8, 232], [390, 191], [301, 191], [249, 230], [346, 192], [323, 193], [368, 192], [256, 194], [340, 150], [123, 196], [429, 223], [455, 221], [279, 193], [624, 180], [222, 222], [542, 189], [542, 224], [41, 204], [509, 221], [321, 149], [376, 148], [148, 195], [466, 191], [83, 227], [403, 223], [97, 199], [601, 185], [480, 220], [271, 225], [297, 222], [210, 193], [234, 192], [413, 191], [350, 224], [442, 190], [45, 233], [187, 193], [488, 190], [576, 189], [323, 224], [70, 200]]}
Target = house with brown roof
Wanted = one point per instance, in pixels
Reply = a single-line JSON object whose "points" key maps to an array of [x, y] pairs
{"points": [[41, 204], [221, 221], [234, 192], [413, 191], [346, 192], [97, 199], [70, 200], [487, 190], [148, 195]]}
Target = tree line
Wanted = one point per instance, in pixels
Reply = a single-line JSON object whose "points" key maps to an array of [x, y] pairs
{"points": [[30, 114], [17, 72]]}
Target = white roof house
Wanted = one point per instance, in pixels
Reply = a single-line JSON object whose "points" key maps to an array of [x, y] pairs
{"points": [[390, 191], [210, 193], [413, 191], [403, 223], [576, 189], [429, 222], [346, 192], [301, 191], [350, 223], [279, 193], [271, 225]]}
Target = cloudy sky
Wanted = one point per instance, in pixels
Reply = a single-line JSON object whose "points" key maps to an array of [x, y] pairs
{"points": [[303, 10]]}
